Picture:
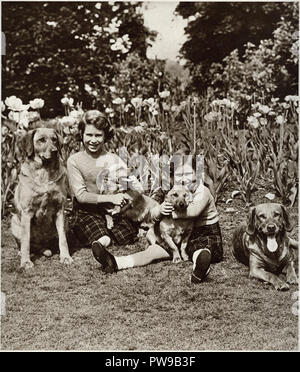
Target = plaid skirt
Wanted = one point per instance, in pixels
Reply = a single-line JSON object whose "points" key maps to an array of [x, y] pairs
{"points": [[208, 236], [89, 227]]}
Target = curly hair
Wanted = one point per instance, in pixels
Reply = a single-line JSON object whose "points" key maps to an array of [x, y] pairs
{"points": [[99, 121]]}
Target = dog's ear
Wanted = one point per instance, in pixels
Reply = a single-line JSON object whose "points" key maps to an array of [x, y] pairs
{"points": [[251, 221], [190, 197], [24, 144], [286, 219], [60, 142]]}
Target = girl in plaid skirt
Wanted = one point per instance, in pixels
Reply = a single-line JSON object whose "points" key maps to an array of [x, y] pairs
{"points": [[205, 244], [90, 203]]}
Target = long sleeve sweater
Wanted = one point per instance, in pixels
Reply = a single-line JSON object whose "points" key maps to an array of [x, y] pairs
{"points": [[83, 171]]}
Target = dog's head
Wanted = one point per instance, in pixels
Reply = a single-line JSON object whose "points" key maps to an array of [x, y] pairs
{"points": [[268, 220], [135, 206], [180, 197], [113, 179], [43, 144]]}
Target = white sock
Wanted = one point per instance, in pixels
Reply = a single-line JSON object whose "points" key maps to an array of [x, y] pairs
{"points": [[105, 241], [124, 262], [194, 258]]}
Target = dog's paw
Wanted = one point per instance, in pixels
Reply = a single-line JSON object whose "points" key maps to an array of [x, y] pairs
{"points": [[177, 259], [47, 253], [281, 286], [66, 260], [27, 264], [185, 257], [292, 279]]}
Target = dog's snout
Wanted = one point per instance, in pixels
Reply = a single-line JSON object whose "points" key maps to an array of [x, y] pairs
{"points": [[271, 227]]}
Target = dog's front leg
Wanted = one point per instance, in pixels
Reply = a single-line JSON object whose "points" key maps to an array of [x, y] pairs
{"points": [[176, 255], [65, 257], [291, 276], [25, 241], [183, 247], [293, 243], [257, 271]]}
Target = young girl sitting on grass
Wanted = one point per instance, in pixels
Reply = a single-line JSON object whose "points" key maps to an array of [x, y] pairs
{"points": [[205, 243], [90, 203]]}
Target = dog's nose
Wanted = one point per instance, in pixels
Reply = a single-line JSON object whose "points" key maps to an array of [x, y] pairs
{"points": [[181, 204], [271, 227]]}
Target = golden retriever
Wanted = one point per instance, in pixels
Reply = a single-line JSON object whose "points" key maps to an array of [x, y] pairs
{"points": [[40, 196], [264, 246]]}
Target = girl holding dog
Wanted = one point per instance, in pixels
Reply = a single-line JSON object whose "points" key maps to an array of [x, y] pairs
{"points": [[89, 202], [205, 244]]}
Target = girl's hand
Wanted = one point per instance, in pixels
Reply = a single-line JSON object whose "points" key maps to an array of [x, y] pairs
{"points": [[119, 199], [166, 208]]}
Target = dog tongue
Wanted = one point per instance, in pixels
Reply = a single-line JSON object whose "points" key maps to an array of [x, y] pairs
{"points": [[272, 244]]}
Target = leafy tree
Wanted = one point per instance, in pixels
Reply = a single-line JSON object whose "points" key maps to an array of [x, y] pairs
{"points": [[216, 29], [56, 48]]}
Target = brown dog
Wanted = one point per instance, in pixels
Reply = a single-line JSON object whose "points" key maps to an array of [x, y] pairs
{"points": [[175, 233], [40, 196], [264, 246]]}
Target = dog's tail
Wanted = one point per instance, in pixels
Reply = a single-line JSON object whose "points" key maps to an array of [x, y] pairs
{"points": [[238, 245]]}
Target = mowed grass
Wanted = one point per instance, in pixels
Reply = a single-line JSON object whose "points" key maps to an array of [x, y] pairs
{"points": [[77, 307]]}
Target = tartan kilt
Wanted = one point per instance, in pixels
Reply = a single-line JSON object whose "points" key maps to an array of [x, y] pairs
{"points": [[208, 236], [89, 227]]}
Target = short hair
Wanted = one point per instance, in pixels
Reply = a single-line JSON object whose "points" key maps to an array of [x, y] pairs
{"points": [[99, 121]]}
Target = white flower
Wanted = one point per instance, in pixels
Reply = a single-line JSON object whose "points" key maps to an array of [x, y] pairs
{"points": [[97, 28], [137, 102], [164, 94], [165, 106], [76, 115], [280, 120], [24, 119], [2, 106], [226, 102], [13, 103], [149, 102], [67, 121], [52, 23], [263, 121], [252, 120], [211, 116], [264, 109], [98, 6], [37, 103], [118, 101], [15, 116], [64, 101], [108, 110], [67, 101], [87, 88], [153, 110]]}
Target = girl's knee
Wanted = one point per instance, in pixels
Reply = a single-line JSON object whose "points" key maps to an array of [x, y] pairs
{"points": [[157, 252]]}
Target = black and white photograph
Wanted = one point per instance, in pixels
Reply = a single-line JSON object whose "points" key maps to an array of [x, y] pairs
{"points": [[149, 185]]}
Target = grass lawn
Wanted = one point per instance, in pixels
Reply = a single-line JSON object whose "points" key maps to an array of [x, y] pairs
{"points": [[54, 307]]}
